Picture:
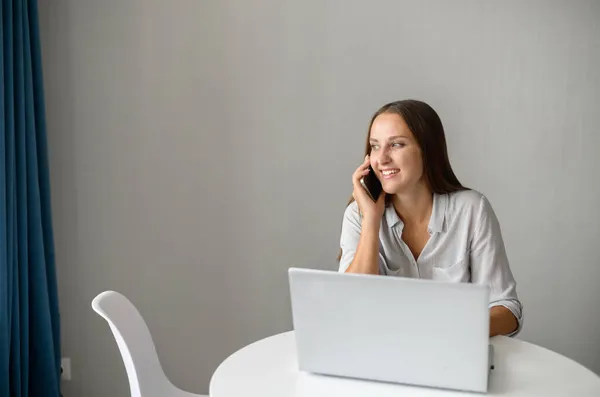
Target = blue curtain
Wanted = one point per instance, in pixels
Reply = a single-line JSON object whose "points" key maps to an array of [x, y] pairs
{"points": [[29, 317]]}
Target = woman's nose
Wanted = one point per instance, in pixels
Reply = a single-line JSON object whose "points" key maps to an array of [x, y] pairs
{"points": [[384, 157]]}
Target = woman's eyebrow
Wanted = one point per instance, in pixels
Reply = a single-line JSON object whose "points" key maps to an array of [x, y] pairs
{"points": [[390, 138]]}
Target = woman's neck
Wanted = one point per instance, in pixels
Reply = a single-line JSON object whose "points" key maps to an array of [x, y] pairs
{"points": [[414, 207]]}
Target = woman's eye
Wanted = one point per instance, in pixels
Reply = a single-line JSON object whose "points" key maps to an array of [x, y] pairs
{"points": [[398, 144], [374, 147]]}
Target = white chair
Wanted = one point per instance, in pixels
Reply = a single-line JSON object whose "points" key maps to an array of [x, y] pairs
{"points": [[146, 376]]}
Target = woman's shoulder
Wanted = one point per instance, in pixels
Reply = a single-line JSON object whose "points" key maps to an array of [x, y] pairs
{"points": [[468, 200], [466, 197], [351, 212]]}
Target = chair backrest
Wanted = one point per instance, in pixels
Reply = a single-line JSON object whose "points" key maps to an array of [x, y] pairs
{"points": [[146, 376]]}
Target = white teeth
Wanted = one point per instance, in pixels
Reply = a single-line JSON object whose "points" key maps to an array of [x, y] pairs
{"points": [[389, 172]]}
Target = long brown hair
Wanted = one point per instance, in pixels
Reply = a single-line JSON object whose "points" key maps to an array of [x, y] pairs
{"points": [[427, 128]]}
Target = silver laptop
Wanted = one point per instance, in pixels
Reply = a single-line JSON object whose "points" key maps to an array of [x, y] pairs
{"points": [[410, 331]]}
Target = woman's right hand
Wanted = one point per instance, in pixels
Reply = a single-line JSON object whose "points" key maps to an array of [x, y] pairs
{"points": [[369, 209]]}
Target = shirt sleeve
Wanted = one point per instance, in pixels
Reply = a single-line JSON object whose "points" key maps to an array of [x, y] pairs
{"points": [[489, 263], [351, 227]]}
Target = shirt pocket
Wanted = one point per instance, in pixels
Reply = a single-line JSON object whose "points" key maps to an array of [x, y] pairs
{"points": [[398, 269], [456, 273]]}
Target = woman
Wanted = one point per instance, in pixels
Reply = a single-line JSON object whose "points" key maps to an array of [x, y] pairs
{"points": [[425, 224]]}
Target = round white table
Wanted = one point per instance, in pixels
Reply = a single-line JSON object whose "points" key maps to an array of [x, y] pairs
{"points": [[268, 368]]}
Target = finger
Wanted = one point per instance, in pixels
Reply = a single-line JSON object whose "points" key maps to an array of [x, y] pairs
{"points": [[359, 193], [357, 176], [356, 183], [367, 161], [361, 171], [365, 164], [357, 189]]}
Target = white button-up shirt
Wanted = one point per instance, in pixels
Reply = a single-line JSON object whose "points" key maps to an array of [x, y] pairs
{"points": [[465, 245]]}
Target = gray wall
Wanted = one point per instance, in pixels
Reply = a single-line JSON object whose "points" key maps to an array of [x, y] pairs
{"points": [[200, 148]]}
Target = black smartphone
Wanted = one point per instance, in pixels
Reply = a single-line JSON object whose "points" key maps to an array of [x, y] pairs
{"points": [[371, 184]]}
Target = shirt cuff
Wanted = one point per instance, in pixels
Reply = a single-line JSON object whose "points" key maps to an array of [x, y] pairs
{"points": [[516, 309]]}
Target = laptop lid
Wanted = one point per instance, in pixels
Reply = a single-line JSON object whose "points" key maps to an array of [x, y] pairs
{"points": [[411, 331]]}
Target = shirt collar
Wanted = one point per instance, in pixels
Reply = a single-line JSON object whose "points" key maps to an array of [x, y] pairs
{"points": [[438, 213], [391, 216], [436, 221]]}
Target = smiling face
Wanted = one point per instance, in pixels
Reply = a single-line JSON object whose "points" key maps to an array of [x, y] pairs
{"points": [[396, 156]]}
